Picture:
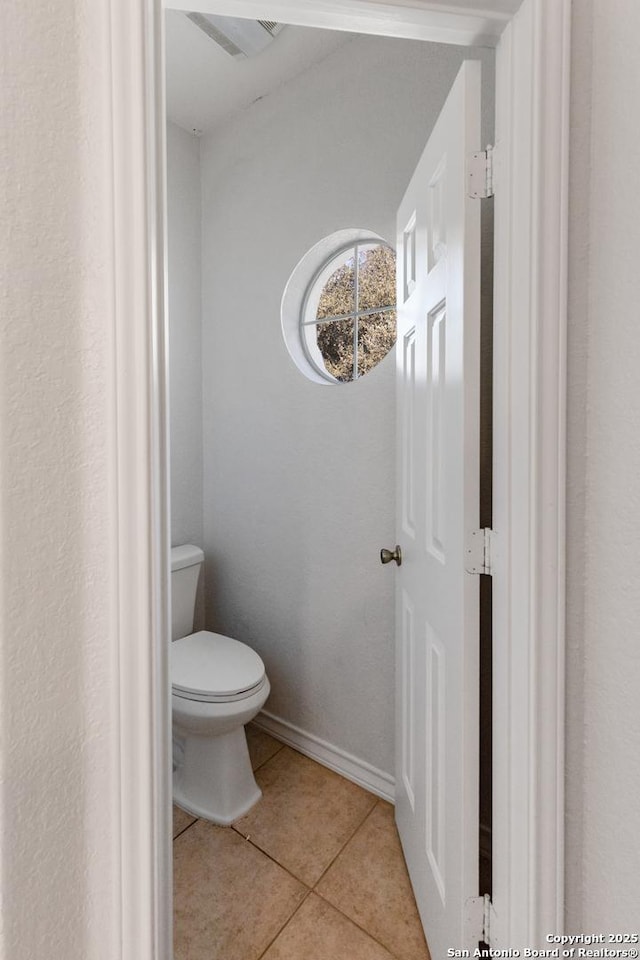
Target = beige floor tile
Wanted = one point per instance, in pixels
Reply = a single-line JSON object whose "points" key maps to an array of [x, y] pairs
{"points": [[318, 932], [369, 883], [306, 815], [181, 820], [261, 746], [230, 900]]}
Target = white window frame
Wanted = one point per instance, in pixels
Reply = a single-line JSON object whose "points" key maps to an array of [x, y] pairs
{"points": [[531, 177], [308, 319]]}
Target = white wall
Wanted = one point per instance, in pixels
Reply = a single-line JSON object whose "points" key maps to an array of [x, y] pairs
{"points": [[299, 478], [604, 475], [58, 799], [185, 334]]}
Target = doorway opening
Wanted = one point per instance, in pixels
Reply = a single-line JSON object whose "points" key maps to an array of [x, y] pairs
{"points": [[532, 82], [290, 487]]}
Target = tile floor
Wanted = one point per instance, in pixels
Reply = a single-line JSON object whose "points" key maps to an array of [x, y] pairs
{"points": [[313, 872]]}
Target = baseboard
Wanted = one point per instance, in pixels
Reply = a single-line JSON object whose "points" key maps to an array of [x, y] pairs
{"points": [[354, 769]]}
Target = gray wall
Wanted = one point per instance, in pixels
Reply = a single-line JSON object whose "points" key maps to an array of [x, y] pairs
{"points": [[603, 616], [299, 478], [58, 522], [184, 259]]}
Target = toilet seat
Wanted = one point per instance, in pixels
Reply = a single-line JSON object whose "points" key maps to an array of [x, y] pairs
{"points": [[213, 668]]}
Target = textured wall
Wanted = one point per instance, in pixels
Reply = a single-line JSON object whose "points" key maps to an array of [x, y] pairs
{"points": [[185, 334], [58, 794], [299, 478], [580, 150], [603, 850]]}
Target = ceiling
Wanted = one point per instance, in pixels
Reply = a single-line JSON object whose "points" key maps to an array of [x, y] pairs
{"points": [[206, 86]]}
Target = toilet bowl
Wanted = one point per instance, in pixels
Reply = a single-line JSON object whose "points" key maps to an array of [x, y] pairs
{"points": [[217, 686]]}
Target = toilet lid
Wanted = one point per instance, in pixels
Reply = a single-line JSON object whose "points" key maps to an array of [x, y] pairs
{"points": [[208, 664]]}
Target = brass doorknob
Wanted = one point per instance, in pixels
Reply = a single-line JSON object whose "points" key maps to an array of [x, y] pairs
{"points": [[386, 556]]}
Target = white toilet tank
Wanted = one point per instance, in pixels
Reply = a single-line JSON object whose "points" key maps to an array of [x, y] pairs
{"points": [[186, 563]]}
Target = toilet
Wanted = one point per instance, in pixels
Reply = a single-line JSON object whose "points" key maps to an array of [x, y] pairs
{"points": [[217, 686]]}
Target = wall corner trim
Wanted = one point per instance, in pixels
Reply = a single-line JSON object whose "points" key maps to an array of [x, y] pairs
{"points": [[530, 322], [141, 743]]}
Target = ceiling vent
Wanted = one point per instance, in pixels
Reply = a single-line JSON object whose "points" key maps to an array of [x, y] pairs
{"points": [[239, 38]]}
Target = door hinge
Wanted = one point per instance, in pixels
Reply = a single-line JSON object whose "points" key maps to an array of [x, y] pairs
{"points": [[478, 920], [480, 171], [478, 552]]}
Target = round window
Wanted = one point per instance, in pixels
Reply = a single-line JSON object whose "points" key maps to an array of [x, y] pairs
{"points": [[347, 311]]}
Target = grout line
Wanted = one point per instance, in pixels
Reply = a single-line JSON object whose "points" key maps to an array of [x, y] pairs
{"points": [[309, 890], [285, 924], [376, 801], [262, 763], [341, 911], [255, 847], [269, 857], [185, 829], [355, 923], [332, 861], [347, 841]]}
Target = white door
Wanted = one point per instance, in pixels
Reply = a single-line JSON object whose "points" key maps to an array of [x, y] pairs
{"points": [[437, 509]]}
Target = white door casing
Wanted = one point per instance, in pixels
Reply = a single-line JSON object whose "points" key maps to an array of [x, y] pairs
{"points": [[437, 496], [532, 39]]}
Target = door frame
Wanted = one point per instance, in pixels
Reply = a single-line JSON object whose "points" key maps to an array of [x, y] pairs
{"points": [[528, 547]]}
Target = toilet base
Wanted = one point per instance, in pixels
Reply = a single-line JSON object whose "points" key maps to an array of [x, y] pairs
{"points": [[213, 778]]}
